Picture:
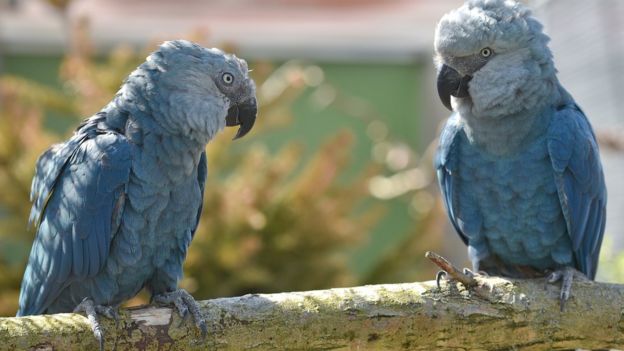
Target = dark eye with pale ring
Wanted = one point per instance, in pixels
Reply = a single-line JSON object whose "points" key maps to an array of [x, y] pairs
{"points": [[486, 52], [227, 78]]}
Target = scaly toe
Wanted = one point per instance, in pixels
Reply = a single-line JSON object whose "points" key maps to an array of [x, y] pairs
{"points": [[566, 275], [185, 304], [193, 308], [109, 312], [91, 311], [173, 298]]}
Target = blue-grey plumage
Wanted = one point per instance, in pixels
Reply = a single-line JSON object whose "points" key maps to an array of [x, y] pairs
{"points": [[518, 162], [116, 206]]}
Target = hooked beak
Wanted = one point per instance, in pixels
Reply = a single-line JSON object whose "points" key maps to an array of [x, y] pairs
{"points": [[243, 115], [451, 83]]}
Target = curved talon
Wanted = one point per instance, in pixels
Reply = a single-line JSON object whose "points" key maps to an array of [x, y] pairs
{"points": [[566, 275], [566, 286], [193, 308], [439, 276]]}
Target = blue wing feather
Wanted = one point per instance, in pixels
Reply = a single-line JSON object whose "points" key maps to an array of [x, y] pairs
{"points": [[446, 165], [202, 174], [48, 168], [76, 194], [580, 184]]}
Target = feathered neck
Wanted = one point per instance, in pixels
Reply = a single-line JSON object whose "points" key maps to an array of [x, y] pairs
{"points": [[508, 97]]}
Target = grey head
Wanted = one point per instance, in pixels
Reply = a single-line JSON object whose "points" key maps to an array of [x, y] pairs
{"points": [[196, 91], [493, 58]]}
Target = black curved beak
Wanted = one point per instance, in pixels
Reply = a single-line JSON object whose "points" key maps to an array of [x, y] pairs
{"points": [[450, 82], [243, 115]]}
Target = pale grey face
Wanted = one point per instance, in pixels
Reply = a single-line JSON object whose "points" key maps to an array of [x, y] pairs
{"points": [[456, 72], [485, 47]]}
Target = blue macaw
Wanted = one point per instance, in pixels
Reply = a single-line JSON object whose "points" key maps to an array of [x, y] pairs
{"points": [[518, 163], [115, 207]]}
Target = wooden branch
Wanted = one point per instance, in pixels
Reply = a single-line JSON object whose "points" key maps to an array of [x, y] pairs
{"points": [[519, 315]]}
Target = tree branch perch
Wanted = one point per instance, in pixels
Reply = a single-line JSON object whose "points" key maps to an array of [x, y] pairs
{"points": [[505, 314]]}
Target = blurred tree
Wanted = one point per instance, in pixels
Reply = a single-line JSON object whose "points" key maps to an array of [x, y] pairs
{"points": [[611, 268], [22, 139], [404, 178]]}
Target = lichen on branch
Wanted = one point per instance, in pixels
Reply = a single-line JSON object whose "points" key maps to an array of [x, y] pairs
{"points": [[502, 314]]}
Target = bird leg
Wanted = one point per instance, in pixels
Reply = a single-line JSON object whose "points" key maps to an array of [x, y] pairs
{"points": [[566, 275], [92, 311], [185, 304]]}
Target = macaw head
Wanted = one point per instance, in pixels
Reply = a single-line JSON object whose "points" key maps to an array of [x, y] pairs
{"points": [[197, 91], [492, 58]]}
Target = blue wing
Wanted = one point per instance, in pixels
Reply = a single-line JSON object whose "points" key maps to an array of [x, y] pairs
{"points": [[202, 173], [580, 184], [78, 194], [446, 163]]}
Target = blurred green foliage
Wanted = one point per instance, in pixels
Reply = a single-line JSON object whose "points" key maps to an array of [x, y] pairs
{"points": [[611, 266], [273, 220]]}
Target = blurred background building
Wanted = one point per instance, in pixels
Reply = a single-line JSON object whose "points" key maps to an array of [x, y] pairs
{"points": [[343, 191]]}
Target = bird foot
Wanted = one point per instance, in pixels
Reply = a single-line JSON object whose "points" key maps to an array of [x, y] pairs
{"points": [[450, 272], [474, 282], [92, 311], [185, 304], [566, 275]]}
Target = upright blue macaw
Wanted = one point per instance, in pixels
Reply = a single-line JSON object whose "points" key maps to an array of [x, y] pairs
{"points": [[115, 207], [518, 162]]}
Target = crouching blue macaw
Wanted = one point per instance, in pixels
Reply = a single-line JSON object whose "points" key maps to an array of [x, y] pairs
{"points": [[115, 207]]}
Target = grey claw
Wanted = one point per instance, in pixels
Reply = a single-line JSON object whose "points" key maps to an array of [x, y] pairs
{"points": [[203, 328], [100, 337], [185, 304], [566, 286], [439, 276], [108, 311], [193, 308], [566, 275]]}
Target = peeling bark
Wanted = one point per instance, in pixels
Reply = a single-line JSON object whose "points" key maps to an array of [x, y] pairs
{"points": [[498, 314]]}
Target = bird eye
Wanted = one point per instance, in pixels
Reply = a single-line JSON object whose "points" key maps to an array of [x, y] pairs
{"points": [[227, 78], [486, 52]]}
